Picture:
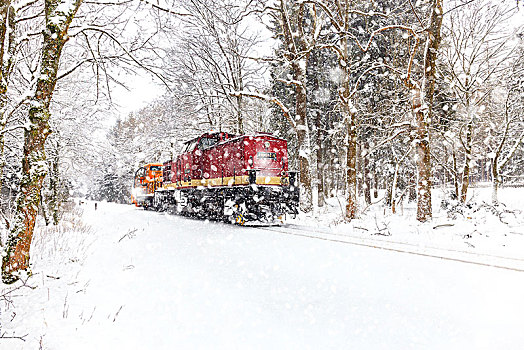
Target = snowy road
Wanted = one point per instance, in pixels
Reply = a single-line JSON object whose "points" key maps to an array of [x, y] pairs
{"points": [[157, 281]]}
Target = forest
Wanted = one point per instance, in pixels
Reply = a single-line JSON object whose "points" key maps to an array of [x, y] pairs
{"points": [[381, 101]]}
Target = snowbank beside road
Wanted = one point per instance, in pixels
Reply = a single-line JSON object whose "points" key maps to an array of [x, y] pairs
{"points": [[477, 227]]}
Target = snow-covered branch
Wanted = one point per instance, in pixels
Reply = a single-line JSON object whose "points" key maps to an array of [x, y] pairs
{"points": [[267, 98]]}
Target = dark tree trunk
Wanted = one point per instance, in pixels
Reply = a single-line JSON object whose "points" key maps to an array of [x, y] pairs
{"points": [[424, 209], [54, 199], [320, 162], [455, 176], [367, 177], [375, 187], [467, 159], [351, 171], [302, 134]]}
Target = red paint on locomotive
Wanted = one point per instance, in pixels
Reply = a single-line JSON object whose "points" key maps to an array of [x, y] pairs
{"points": [[221, 159]]}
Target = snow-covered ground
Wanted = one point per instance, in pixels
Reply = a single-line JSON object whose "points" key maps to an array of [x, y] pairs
{"points": [[477, 227], [124, 278]]}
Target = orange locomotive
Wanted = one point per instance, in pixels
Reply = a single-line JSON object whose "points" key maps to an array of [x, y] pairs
{"points": [[147, 180], [223, 176]]}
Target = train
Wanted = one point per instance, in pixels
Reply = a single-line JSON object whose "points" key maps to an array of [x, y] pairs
{"points": [[235, 178]]}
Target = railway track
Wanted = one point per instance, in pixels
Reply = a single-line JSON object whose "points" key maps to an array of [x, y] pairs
{"points": [[494, 261]]}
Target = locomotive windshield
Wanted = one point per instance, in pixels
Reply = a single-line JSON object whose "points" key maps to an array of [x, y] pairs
{"points": [[190, 146], [155, 168], [140, 172]]}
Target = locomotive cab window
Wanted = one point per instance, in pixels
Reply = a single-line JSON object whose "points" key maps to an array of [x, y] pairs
{"points": [[207, 142]]}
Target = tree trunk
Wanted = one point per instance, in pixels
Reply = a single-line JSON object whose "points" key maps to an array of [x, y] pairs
{"points": [[367, 176], [43, 210], [394, 190], [34, 158], [495, 182], [412, 192], [240, 118], [423, 161], [34, 171], [358, 162], [424, 209], [302, 133], [320, 162], [292, 23], [455, 175], [467, 159], [349, 112], [375, 183], [351, 167], [54, 181]]}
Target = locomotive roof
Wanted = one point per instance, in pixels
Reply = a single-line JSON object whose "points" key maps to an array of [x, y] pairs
{"points": [[232, 137], [210, 135], [257, 135]]}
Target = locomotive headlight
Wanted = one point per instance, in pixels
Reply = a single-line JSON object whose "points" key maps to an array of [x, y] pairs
{"points": [[266, 144]]}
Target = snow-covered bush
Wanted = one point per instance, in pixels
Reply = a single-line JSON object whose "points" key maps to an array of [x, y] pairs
{"points": [[63, 244], [57, 255]]}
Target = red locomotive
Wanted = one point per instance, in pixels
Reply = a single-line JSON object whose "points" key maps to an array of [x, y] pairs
{"points": [[223, 176]]}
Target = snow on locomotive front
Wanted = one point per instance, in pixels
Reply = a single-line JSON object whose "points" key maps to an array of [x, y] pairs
{"points": [[236, 178]]}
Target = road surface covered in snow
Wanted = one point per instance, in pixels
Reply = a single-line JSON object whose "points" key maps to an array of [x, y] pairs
{"points": [[158, 281]]}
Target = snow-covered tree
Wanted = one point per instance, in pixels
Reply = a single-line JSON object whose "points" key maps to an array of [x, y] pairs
{"points": [[55, 41], [208, 62], [297, 27], [477, 46], [58, 18], [505, 138]]}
